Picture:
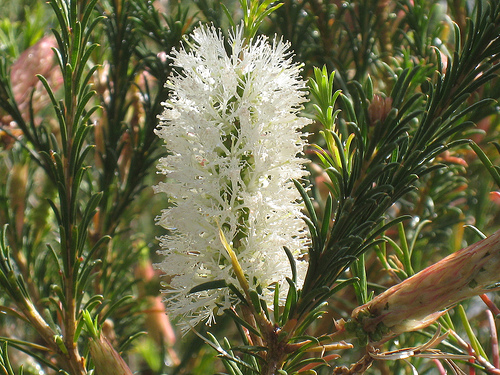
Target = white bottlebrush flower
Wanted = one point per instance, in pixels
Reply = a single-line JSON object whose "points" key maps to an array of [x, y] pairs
{"points": [[231, 127]]}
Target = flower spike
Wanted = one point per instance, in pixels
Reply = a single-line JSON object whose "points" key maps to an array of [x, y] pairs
{"points": [[232, 128]]}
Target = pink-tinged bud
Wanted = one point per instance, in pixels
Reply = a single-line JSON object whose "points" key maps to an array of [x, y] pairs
{"points": [[448, 157], [106, 359], [419, 300], [38, 59], [159, 327], [158, 323], [379, 108], [495, 197]]}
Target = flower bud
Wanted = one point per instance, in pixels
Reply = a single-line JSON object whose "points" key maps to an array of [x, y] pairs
{"points": [[495, 197], [419, 300], [378, 109], [106, 359], [38, 59]]}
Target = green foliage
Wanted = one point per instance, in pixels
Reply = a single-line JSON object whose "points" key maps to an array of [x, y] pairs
{"points": [[401, 92], [22, 26], [51, 285]]}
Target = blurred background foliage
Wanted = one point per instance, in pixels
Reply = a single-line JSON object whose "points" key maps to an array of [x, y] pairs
{"points": [[368, 43]]}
